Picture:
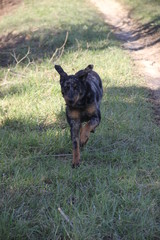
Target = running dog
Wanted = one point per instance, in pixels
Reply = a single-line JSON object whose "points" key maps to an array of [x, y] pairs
{"points": [[82, 93]]}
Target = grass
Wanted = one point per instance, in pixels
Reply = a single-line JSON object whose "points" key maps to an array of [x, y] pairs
{"points": [[115, 193], [145, 10]]}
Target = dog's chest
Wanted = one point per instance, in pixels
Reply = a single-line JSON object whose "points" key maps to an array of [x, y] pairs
{"points": [[82, 114]]}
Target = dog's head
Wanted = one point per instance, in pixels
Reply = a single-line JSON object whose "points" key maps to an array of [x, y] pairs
{"points": [[73, 87]]}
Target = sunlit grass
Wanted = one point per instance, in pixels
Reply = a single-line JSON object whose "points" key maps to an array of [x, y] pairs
{"points": [[144, 10]]}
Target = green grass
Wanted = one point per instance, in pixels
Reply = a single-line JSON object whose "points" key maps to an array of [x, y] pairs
{"points": [[115, 192], [144, 10]]}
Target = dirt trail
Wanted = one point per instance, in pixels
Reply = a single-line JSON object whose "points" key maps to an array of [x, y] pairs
{"points": [[6, 6], [143, 46]]}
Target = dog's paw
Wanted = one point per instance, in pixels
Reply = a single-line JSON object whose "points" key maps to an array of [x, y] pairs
{"points": [[75, 165], [84, 135], [83, 141], [83, 138]]}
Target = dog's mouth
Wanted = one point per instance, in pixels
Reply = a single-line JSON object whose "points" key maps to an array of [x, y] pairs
{"points": [[72, 102]]}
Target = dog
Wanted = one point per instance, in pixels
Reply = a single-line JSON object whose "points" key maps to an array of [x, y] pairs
{"points": [[82, 93]]}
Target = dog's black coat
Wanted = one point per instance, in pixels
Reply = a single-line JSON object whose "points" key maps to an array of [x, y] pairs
{"points": [[82, 93]]}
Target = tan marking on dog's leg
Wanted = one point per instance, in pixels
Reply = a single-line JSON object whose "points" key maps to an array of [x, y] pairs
{"points": [[76, 155], [84, 135]]}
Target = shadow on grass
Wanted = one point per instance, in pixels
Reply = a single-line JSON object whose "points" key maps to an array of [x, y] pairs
{"points": [[43, 42], [122, 120], [27, 138], [33, 177], [149, 28], [149, 31]]}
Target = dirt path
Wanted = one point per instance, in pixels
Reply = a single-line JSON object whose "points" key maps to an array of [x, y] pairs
{"points": [[6, 6], [142, 42]]}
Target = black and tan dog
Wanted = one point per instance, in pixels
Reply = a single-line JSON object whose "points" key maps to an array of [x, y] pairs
{"points": [[82, 93]]}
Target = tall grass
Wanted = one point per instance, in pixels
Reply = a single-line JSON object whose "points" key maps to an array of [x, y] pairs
{"points": [[115, 192]]}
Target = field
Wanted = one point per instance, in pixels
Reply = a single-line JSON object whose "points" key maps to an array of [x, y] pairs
{"points": [[145, 10], [115, 193]]}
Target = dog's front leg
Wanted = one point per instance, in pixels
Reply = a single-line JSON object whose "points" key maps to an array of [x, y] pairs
{"points": [[75, 128], [87, 129]]}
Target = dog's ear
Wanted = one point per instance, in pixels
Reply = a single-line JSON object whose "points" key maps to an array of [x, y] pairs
{"points": [[83, 73], [89, 67], [60, 70]]}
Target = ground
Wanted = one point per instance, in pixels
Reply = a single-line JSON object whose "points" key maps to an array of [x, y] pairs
{"points": [[141, 41], [8, 6]]}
